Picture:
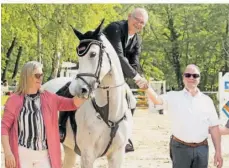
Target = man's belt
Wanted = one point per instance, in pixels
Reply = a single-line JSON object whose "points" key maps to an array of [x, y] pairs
{"points": [[203, 143]]}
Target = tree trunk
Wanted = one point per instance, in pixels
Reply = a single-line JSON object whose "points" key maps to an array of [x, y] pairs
{"points": [[226, 48], [39, 46], [36, 21], [175, 48], [17, 62], [39, 41], [8, 54], [204, 78], [55, 65], [56, 57]]}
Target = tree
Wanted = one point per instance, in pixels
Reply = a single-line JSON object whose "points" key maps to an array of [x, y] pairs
{"points": [[8, 54], [17, 62]]}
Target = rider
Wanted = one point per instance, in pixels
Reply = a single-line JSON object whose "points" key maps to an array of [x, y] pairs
{"points": [[125, 40]]}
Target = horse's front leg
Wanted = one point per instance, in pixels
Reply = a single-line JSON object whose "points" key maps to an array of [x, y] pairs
{"points": [[87, 158], [69, 158], [115, 159]]}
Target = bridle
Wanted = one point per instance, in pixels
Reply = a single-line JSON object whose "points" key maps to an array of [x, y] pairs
{"points": [[95, 75]]}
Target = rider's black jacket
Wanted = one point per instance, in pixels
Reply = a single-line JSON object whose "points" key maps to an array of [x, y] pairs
{"points": [[117, 34]]}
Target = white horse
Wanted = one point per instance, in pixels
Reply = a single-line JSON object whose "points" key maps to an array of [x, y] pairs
{"points": [[104, 122]]}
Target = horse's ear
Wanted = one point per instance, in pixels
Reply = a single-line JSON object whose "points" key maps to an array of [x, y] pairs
{"points": [[99, 28], [77, 33]]}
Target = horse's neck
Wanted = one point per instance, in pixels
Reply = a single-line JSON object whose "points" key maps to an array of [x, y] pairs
{"points": [[117, 103]]}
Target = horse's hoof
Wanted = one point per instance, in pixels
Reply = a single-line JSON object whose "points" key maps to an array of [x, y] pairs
{"points": [[129, 148]]}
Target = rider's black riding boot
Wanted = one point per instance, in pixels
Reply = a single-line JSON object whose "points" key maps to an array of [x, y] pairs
{"points": [[132, 111], [130, 146], [63, 117]]}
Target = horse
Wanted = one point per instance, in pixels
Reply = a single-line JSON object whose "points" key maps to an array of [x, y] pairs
{"points": [[104, 121]]}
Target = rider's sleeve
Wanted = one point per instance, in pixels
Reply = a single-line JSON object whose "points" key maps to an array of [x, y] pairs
{"points": [[113, 34], [134, 60]]}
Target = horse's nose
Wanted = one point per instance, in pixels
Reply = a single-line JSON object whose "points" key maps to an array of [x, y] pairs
{"points": [[84, 90]]}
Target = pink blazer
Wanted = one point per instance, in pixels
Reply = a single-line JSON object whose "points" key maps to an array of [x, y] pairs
{"points": [[50, 105]]}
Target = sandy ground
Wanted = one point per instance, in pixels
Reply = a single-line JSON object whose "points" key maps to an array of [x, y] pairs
{"points": [[151, 138]]}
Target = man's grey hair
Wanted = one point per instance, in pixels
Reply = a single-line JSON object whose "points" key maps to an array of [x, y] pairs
{"points": [[142, 11], [192, 65]]}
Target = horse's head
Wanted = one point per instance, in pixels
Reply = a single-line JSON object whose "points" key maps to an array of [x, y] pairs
{"points": [[94, 62]]}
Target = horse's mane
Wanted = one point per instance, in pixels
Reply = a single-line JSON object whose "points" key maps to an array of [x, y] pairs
{"points": [[112, 53]]}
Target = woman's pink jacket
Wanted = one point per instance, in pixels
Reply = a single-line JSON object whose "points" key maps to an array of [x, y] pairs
{"points": [[50, 105]]}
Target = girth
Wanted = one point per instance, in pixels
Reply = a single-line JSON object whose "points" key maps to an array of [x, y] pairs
{"points": [[104, 113]]}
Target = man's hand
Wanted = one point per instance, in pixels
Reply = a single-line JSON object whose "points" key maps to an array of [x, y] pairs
{"points": [[78, 101], [218, 160], [216, 139], [141, 82]]}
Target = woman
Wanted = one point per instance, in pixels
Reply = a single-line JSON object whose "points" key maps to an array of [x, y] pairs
{"points": [[30, 135]]}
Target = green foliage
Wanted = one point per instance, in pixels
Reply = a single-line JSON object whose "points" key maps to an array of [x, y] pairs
{"points": [[3, 101], [201, 31], [52, 22]]}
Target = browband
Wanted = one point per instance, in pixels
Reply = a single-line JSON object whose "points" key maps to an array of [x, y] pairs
{"points": [[84, 46]]}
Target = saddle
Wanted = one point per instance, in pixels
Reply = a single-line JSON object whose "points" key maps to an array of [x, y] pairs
{"points": [[64, 115]]}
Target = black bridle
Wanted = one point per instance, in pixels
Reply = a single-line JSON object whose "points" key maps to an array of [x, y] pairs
{"points": [[95, 75]]}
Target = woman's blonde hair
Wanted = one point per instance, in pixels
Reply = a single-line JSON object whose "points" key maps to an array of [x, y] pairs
{"points": [[26, 72]]}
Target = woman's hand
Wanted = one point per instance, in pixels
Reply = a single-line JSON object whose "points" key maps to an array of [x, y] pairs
{"points": [[10, 160], [79, 101], [9, 157]]}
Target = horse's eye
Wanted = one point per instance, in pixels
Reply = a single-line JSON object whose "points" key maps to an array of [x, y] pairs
{"points": [[92, 54]]}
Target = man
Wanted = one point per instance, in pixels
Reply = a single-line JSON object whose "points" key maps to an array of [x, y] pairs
{"points": [[193, 116], [126, 42], [225, 130], [123, 36]]}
